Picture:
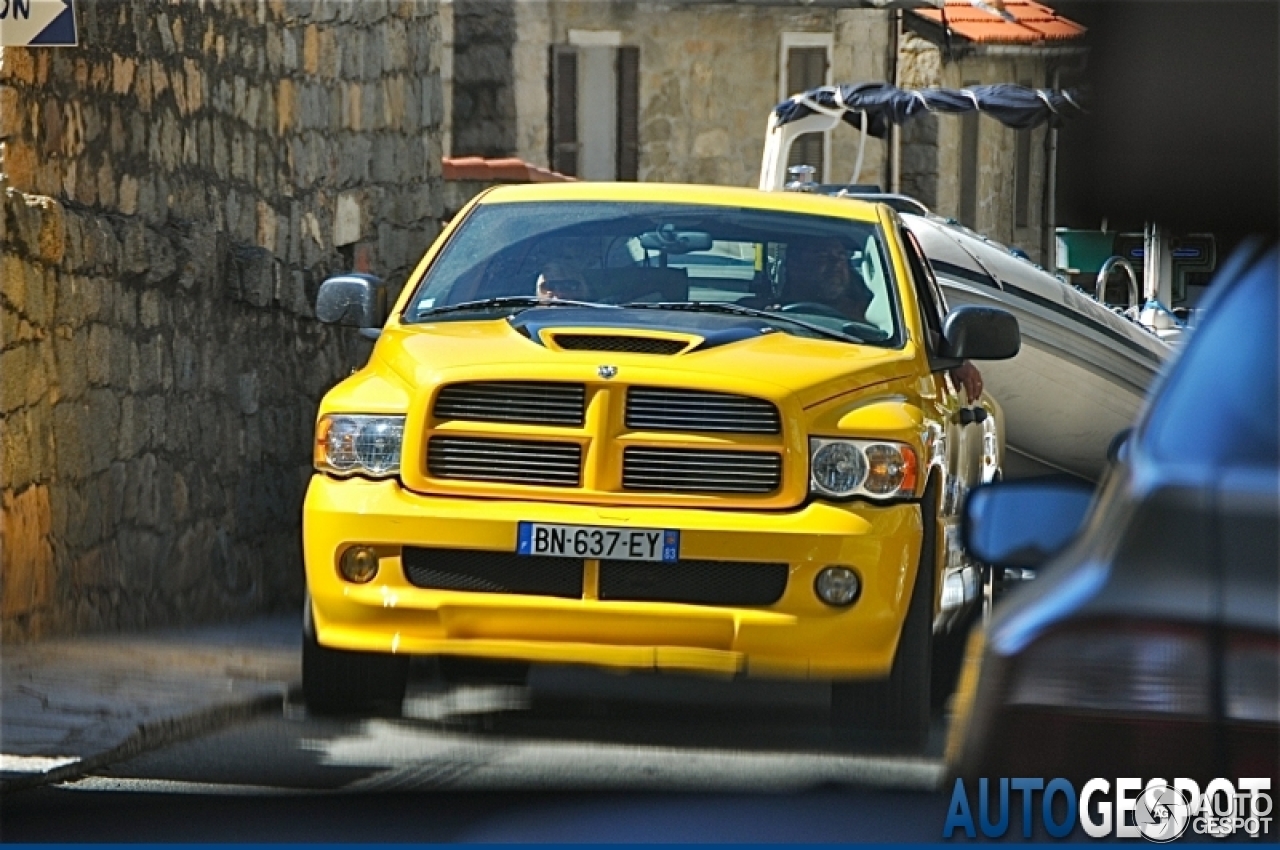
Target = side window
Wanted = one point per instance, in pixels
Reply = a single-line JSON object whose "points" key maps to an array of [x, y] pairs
{"points": [[932, 305]]}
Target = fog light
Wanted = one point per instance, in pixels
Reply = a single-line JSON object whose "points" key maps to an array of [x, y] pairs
{"points": [[838, 586], [359, 564]]}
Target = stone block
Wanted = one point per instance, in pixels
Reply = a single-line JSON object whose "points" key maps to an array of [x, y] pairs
{"points": [[26, 559], [71, 446], [15, 363], [153, 356], [181, 498], [393, 103], [349, 219], [286, 107], [135, 257], [70, 355], [247, 393], [149, 308], [18, 64], [195, 81], [120, 357], [254, 275], [37, 376], [395, 46], [128, 194], [144, 485], [311, 49], [41, 227], [185, 367], [12, 117], [13, 281], [104, 424]]}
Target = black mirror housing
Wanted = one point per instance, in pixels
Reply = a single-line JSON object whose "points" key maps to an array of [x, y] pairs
{"points": [[980, 333], [1118, 451], [1024, 523], [353, 299]]}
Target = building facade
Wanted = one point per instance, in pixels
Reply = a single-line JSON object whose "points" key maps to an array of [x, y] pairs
{"points": [[681, 91]]}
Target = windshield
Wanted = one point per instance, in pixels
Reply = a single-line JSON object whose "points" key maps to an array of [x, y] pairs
{"points": [[807, 275]]}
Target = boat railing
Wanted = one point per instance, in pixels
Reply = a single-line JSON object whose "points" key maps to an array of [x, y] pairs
{"points": [[1105, 272]]}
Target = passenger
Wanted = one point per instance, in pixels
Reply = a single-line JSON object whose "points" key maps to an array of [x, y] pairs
{"points": [[818, 270], [559, 282]]}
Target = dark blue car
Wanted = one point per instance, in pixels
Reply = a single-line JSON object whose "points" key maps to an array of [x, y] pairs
{"points": [[1150, 644]]}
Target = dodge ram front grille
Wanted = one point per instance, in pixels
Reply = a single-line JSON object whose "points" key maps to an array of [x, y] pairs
{"points": [[535, 462], [528, 402], [693, 582], [661, 409], [700, 470], [492, 572]]}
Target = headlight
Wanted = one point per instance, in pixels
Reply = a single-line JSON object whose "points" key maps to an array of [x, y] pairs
{"points": [[359, 445], [879, 470]]}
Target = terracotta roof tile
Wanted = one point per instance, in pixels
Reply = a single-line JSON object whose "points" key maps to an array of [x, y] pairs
{"points": [[507, 170], [1032, 23]]}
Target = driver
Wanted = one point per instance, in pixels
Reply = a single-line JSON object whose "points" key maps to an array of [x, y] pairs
{"points": [[561, 282], [818, 270]]}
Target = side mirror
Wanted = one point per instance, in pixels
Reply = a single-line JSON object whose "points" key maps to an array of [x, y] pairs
{"points": [[1024, 523], [980, 333], [1118, 451], [354, 299]]}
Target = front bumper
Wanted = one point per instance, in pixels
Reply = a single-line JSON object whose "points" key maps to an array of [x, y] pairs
{"points": [[797, 636]]}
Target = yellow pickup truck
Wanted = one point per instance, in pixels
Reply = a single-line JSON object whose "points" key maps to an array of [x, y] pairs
{"points": [[607, 424]]}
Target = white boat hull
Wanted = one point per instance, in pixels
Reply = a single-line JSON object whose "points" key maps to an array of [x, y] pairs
{"points": [[1083, 371]]}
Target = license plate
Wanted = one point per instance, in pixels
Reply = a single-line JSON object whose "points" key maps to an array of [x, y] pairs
{"points": [[598, 541]]}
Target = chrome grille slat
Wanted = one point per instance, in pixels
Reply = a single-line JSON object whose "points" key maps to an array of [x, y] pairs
{"points": [[529, 402], [662, 409], [510, 461], [700, 470]]}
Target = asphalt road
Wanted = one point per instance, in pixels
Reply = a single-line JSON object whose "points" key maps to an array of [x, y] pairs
{"points": [[574, 756]]}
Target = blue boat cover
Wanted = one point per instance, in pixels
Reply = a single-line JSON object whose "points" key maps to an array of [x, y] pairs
{"points": [[1018, 107]]}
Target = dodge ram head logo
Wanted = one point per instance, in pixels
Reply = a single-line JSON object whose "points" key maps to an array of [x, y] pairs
{"points": [[606, 372]]}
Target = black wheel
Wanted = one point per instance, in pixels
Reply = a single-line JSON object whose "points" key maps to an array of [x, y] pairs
{"points": [[899, 707], [948, 655], [340, 682]]}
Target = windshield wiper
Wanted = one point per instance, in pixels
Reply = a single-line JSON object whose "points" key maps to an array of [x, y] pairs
{"points": [[525, 301], [739, 310]]}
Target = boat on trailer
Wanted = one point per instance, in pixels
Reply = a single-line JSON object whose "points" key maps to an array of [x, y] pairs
{"points": [[1084, 368]]}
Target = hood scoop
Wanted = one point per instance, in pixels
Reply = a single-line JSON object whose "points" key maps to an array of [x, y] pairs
{"points": [[633, 331], [619, 342]]}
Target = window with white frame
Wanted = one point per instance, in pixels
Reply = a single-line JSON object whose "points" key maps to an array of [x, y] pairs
{"points": [[594, 121]]}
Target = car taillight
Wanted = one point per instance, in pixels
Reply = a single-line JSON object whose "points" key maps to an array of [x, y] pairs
{"points": [[1251, 704], [1251, 680], [1134, 698], [1126, 669]]}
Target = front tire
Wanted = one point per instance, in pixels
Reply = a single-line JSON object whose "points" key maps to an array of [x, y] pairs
{"points": [[899, 707], [339, 682]]}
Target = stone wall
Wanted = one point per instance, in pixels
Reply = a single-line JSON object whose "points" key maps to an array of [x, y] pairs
{"points": [[174, 191], [931, 163], [482, 93]]}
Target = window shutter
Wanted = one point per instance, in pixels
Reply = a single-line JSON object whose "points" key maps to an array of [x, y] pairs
{"points": [[628, 113], [807, 69], [564, 110]]}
